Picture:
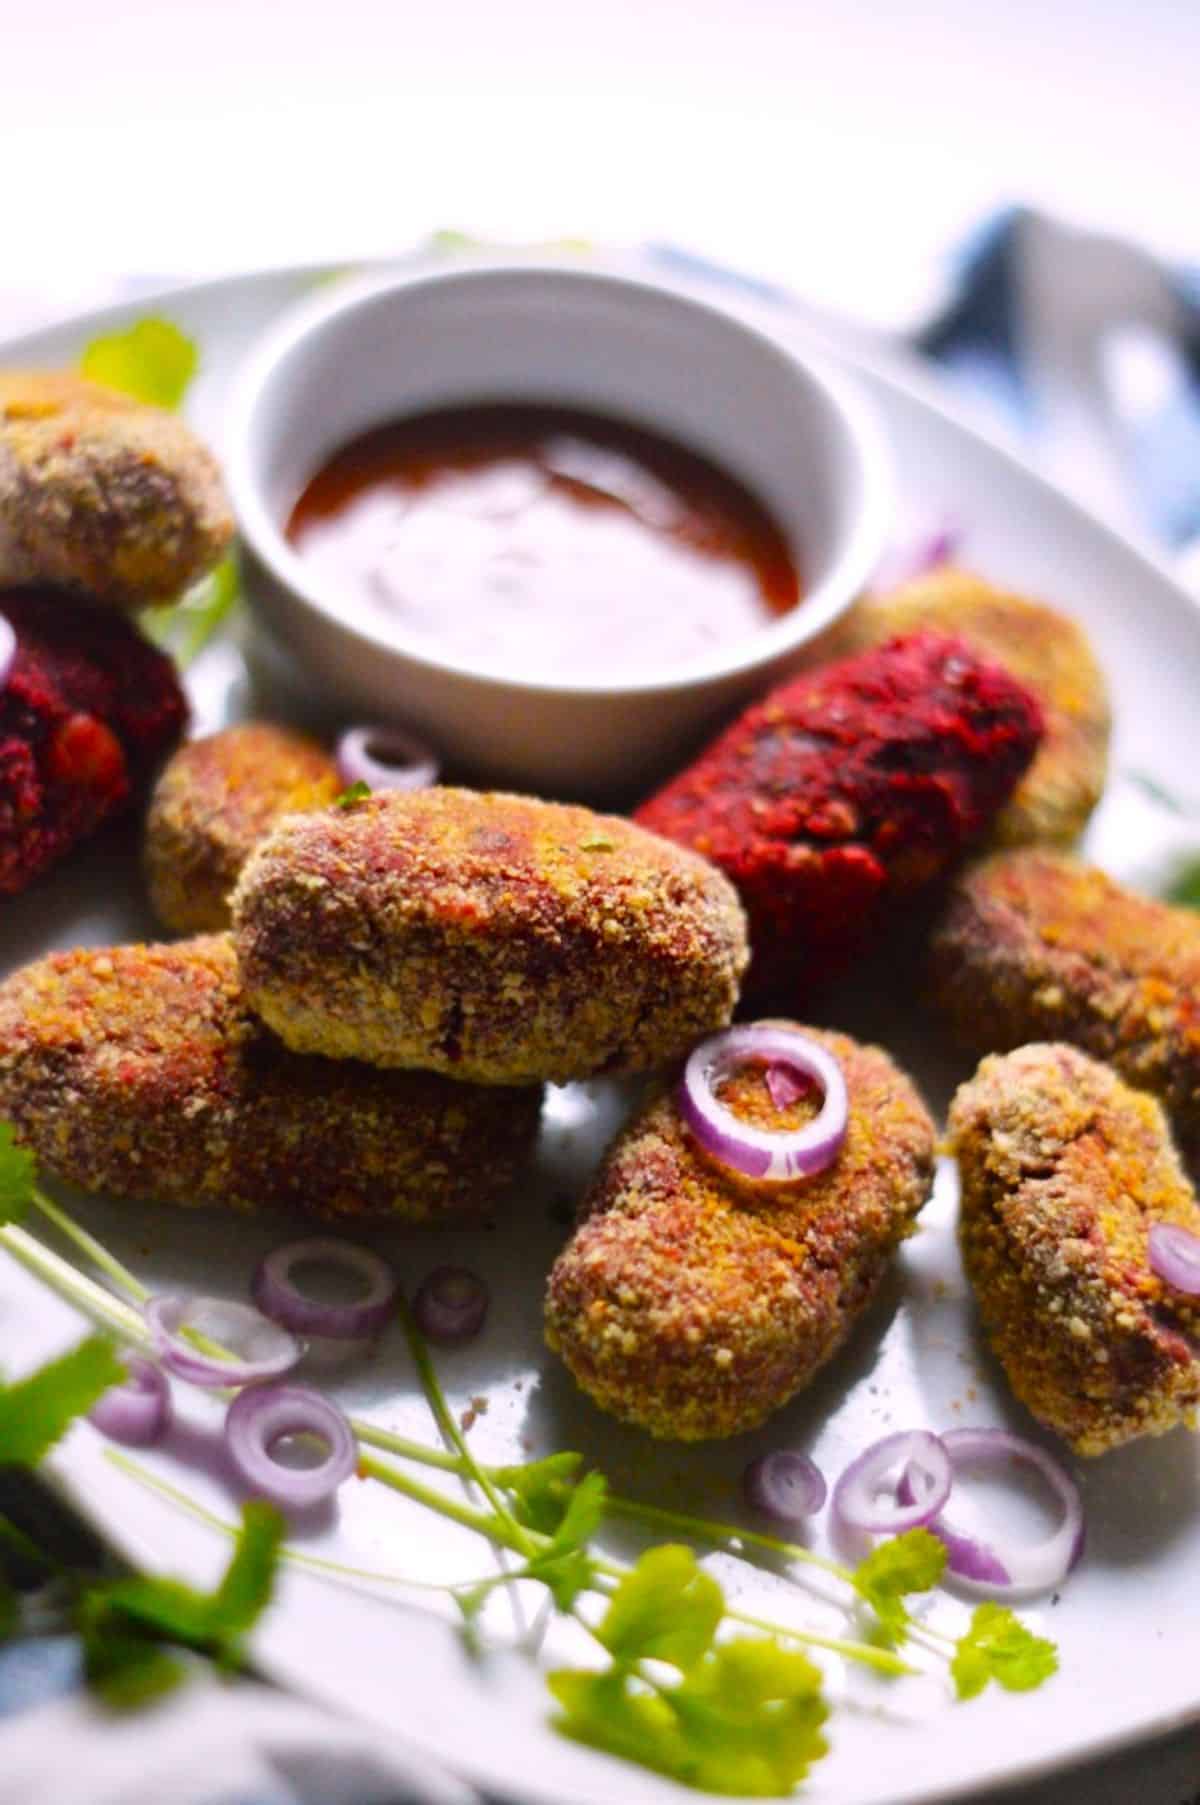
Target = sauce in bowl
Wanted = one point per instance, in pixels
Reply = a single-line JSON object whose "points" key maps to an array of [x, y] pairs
{"points": [[544, 542]]}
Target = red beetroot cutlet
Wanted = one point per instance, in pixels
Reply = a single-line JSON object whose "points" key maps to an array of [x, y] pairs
{"points": [[89, 710], [857, 784]]}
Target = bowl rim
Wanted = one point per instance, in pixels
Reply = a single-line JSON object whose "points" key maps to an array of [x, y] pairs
{"points": [[854, 559]]}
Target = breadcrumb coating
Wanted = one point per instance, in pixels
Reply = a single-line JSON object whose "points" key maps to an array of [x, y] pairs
{"points": [[139, 1071], [1064, 1169], [1036, 945], [103, 495], [214, 801], [848, 791], [1044, 650], [493, 937], [694, 1302]]}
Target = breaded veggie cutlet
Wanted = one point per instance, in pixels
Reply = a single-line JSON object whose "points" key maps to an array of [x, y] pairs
{"points": [[139, 1071], [87, 713], [493, 937], [694, 1302], [213, 803], [1035, 945], [848, 791], [1064, 1170], [103, 495], [1044, 650]]}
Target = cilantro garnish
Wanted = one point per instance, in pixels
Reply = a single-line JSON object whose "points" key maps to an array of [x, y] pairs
{"points": [[152, 360], [541, 1489], [36, 1412], [744, 1716], [356, 792], [913, 1562], [685, 1691], [18, 1172], [1184, 891], [125, 1623], [183, 628], [564, 1565], [999, 1647]]}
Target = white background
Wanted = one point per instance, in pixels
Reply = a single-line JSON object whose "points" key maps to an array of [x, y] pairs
{"points": [[840, 147]]}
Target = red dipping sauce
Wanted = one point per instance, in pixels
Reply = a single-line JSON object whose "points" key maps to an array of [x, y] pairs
{"points": [[544, 542]]}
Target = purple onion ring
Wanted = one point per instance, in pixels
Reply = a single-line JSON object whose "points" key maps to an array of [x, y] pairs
{"points": [[993, 1568], [138, 1411], [1174, 1254], [277, 1295], [780, 1154], [451, 1305], [784, 1485], [386, 758], [856, 1496], [261, 1416], [265, 1350]]}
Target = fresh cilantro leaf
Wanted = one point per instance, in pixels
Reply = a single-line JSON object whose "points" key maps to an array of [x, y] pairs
{"points": [[913, 1562], [753, 1712], [1184, 891], [124, 1622], [746, 1720], [583, 1513], [18, 1171], [665, 1609], [565, 1566], [355, 793], [152, 360], [541, 1489], [566, 1574], [245, 1591], [612, 1712], [122, 1667], [37, 1411], [999, 1647], [183, 628]]}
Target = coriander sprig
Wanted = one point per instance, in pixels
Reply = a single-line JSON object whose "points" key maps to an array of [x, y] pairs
{"points": [[740, 1713]]}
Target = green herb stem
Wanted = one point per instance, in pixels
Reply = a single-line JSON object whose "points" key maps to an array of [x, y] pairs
{"points": [[298, 1557], [441, 1458], [443, 1416], [73, 1286], [485, 1523], [96, 1252], [722, 1534]]}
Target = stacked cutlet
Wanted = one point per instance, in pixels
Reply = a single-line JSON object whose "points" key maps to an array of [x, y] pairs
{"points": [[371, 1040]]}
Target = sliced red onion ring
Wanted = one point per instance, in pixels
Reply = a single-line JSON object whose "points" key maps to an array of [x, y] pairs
{"points": [[278, 1296], [785, 1085], [761, 1152], [259, 1348], [138, 1411], [8, 650], [784, 1485], [451, 1305], [261, 1416], [994, 1569], [1175, 1257], [386, 758], [857, 1503]]}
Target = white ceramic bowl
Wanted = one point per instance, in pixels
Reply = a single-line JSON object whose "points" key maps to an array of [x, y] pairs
{"points": [[356, 358]]}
